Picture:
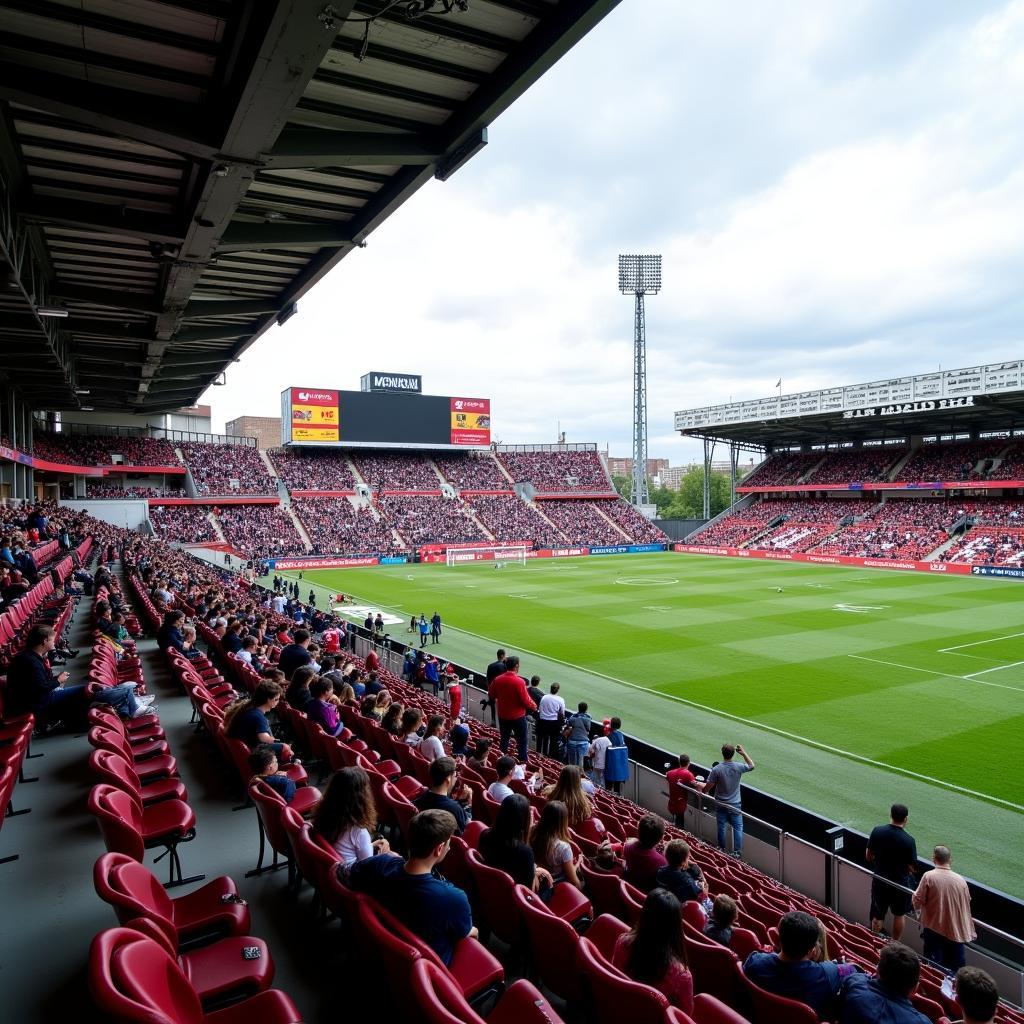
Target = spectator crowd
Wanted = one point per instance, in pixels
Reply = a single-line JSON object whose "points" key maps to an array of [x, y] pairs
{"points": [[227, 469], [558, 472]]}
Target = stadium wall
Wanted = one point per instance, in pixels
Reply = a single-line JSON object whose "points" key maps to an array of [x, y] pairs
{"points": [[946, 568]]}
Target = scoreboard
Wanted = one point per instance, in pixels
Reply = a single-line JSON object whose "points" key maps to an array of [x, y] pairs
{"points": [[374, 419]]}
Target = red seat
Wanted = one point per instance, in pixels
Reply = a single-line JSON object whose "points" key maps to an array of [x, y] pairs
{"points": [[133, 978], [218, 972], [130, 828], [143, 727], [709, 1010], [772, 1009], [713, 967], [437, 1000], [474, 830], [473, 968], [605, 932], [155, 767], [314, 856], [131, 889], [552, 942], [632, 902], [270, 806], [116, 771], [605, 891], [693, 913], [615, 997]]}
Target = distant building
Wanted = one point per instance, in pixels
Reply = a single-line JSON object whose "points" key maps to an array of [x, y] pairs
{"points": [[672, 476], [624, 467], [266, 429]]}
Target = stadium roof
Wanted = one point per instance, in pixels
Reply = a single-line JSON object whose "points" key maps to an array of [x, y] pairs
{"points": [[175, 174], [964, 401]]}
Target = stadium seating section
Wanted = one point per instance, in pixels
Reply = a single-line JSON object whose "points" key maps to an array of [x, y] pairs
{"points": [[397, 472], [259, 530], [559, 472], [316, 471], [422, 519], [99, 449], [473, 472], [227, 469], [183, 524], [335, 526]]}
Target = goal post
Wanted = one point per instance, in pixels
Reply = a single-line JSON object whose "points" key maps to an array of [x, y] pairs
{"points": [[501, 554]]}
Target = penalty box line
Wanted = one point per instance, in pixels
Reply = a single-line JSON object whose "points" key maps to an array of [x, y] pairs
{"points": [[751, 723], [978, 643]]}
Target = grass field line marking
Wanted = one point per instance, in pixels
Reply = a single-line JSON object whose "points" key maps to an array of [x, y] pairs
{"points": [[861, 758], [947, 675], [973, 657], [977, 643], [997, 668]]}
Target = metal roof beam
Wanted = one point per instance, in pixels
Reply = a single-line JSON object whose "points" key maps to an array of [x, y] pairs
{"points": [[315, 147], [124, 302], [157, 122], [283, 47], [104, 217], [199, 309], [240, 237], [227, 332]]}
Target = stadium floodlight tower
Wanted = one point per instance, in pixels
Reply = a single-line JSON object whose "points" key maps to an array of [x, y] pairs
{"points": [[639, 276]]}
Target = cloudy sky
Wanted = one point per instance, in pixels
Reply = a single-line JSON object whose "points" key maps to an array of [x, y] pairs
{"points": [[837, 189]]}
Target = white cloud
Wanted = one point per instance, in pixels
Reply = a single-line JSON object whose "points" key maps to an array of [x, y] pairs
{"points": [[837, 192]]}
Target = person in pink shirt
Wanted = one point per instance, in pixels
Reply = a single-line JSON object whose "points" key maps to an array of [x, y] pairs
{"points": [[643, 860], [944, 902]]}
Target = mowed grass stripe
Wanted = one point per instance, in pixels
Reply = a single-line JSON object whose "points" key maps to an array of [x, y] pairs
{"points": [[726, 646]]}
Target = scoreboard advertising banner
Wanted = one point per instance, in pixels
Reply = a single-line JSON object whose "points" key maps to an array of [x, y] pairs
{"points": [[374, 419]]}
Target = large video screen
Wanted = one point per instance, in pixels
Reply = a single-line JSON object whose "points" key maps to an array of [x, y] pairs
{"points": [[370, 419]]}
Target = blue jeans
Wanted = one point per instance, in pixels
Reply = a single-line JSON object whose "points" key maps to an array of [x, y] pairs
{"points": [[122, 698], [728, 814], [576, 750], [944, 952]]}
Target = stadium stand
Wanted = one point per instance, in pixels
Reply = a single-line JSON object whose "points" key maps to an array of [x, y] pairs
{"points": [[98, 449], [182, 524], [390, 472], [783, 469], [582, 522], [335, 526], [510, 519], [259, 531], [472, 472], [637, 527], [862, 464], [557, 472], [897, 528], [422, 519], [313, 471], [984, 546], [1011, 465], [227, 469], [963, 461], [108, 492]]}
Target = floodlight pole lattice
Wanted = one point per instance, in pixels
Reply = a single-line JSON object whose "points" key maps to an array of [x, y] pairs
{"points": [[639, 275]]}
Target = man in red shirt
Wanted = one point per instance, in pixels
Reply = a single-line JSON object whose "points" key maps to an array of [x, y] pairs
{"points": [[372, 661], [508, 691], [679, 781]]}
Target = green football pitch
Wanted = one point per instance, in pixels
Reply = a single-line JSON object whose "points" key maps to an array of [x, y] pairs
{"points": [[851, 688]]}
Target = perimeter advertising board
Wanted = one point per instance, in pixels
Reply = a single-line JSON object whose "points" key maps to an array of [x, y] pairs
{"points": [[378, 419]]}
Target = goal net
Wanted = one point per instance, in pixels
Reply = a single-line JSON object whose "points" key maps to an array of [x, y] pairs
{"points": [[463, 556]]}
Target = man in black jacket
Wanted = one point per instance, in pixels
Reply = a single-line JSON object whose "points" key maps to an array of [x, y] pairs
{"points": [[494, 670], [32, 686]]}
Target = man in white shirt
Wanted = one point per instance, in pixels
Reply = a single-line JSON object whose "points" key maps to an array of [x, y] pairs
{"points": [[505, 766], [279, 603], [550, 716]]}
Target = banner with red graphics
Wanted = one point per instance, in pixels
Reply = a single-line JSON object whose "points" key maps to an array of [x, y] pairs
{"points": [[314, 415], [323, 563], [471, 421], [907, 564]]}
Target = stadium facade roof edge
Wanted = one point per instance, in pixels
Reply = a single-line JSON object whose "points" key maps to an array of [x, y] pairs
{"points": [[969, 400]]}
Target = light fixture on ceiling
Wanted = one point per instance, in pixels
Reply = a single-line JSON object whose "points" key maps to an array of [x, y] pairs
{"points": [[82, 391], [88, 408], [54, 311], [273, 215]]}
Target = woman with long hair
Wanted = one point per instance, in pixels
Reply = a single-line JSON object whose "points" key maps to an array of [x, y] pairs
{"points": [[411, 720], [550, 844], [432, 746], [392, 720], [246, 720], [569, 791], [504, 846], [346, 817], [654, 953]]}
